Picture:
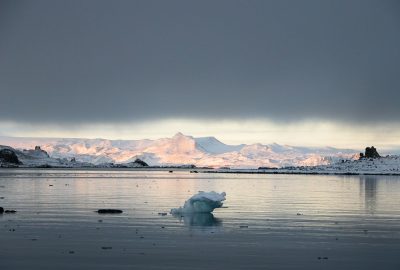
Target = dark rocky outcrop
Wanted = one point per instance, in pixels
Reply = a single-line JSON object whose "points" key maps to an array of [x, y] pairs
{"points": [[36, 153], [260, 168], [141, 162], [8, 156], [371, 152], [44, 166]]}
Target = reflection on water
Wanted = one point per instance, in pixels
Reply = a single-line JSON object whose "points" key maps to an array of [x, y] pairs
{"points": [[198, 219], [368, 188]]}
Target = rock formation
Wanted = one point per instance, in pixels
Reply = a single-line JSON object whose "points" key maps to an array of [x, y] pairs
{"points": [[370, 152], [8, 156], [141, 162]]}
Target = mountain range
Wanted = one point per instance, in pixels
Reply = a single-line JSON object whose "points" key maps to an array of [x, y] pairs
{"points": [[182, 150]]}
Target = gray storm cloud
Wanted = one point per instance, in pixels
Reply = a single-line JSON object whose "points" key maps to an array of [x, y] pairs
{"points": [[105, 61]]}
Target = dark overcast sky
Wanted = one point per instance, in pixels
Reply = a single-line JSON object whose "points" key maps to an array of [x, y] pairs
{"points": [[115, 61]]}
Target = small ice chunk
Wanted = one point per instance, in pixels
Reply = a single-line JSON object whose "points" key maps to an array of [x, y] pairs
{"points": [[202, 202]]}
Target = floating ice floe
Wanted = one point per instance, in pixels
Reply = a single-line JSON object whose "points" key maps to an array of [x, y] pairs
{"points": [[202, 202]]}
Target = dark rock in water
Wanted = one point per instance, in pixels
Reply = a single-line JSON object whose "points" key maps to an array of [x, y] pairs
{"points": [[7, 211], [371, 152], [9, 156], [109, 211]]}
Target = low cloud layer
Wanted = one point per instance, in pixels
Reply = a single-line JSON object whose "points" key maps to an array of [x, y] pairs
{"points": [[115, 61]]}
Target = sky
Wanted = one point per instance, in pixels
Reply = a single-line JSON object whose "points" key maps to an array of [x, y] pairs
{"points": [[296, 72]]}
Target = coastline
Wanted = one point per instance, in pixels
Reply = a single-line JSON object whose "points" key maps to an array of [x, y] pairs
{"points": [[208, 170], [301, 172]]}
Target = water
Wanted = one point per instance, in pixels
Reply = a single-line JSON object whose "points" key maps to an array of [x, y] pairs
{"points": [[268, 221]]}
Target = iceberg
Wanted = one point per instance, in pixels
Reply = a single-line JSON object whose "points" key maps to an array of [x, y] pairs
{"points": [[202, 202], [198, 220]]}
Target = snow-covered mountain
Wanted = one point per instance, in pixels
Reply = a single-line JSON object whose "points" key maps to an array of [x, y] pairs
{"points": [[182, 150]]}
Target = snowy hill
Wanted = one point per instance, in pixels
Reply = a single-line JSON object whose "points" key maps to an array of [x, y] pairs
{"points": [[181, 150], [388, 165], [213, 146], [383, 165]]}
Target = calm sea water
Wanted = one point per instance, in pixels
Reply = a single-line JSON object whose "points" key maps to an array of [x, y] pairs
{"points": [[268, 221]]}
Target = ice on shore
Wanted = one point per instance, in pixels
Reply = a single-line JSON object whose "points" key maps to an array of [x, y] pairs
{"points": [[202, 202]]}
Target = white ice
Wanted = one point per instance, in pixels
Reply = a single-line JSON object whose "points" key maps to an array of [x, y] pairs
{"points": [[202, 202]]}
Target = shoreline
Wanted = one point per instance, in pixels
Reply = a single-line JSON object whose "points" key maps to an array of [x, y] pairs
{"points": [[206, 170], [303, 173]]}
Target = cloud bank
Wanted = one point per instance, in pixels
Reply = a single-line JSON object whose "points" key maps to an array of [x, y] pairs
{"points": [[116, 61]]}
